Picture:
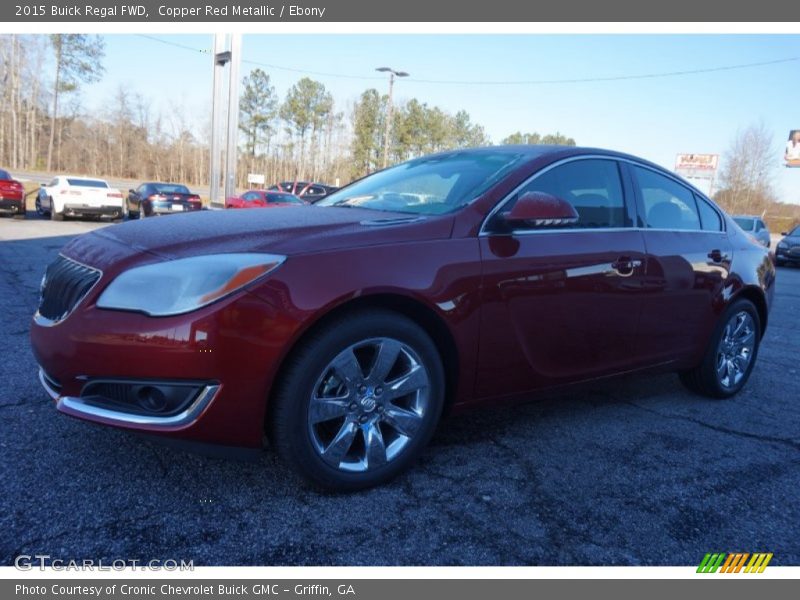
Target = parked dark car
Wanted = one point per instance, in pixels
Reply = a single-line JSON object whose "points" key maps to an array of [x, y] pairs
{"points": [[262, 199], [306, 190], [152, 198], [345, 330], [12, 196], [788, 249]]}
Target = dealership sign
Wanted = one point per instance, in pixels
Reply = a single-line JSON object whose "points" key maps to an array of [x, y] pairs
{"points": [[697, 166], [255, 179]]}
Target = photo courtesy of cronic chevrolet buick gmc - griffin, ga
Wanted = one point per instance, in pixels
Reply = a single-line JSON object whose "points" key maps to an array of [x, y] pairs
{"points": [[344, 330]]}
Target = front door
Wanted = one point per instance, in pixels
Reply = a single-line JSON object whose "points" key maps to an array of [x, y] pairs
{"points": [[562, 304]]}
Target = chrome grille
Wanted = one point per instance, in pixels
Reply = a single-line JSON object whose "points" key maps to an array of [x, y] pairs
{"points": [[65, 284]]}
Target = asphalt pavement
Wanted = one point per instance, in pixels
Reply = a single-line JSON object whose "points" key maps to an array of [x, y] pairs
{"points": [[635, 471]]}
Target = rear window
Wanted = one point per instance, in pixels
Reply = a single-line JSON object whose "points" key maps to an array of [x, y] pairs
{"points": [[171, 188], [97, 183]]}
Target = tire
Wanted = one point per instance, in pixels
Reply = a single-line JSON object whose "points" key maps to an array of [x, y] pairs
{"points": [[55, 216], [38, 205], [353, 408], [716, 376]]}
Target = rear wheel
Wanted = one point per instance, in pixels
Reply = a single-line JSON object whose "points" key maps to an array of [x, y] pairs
{"points": [[358, 401], [55, 216], [731, 353]]}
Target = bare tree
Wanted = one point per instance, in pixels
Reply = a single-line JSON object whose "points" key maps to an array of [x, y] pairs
{"points": [[748, 170]]}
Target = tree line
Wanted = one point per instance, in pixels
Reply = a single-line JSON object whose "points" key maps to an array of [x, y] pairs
{"points": [[300, 134]]}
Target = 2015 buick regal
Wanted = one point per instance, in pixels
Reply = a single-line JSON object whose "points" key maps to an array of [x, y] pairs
{"points": [[344, 330]]}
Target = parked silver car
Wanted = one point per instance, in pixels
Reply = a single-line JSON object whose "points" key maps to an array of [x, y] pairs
{"points": [[755, 226]]}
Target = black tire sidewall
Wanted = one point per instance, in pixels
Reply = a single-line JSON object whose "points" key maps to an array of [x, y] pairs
{"points": [[291, 435]]}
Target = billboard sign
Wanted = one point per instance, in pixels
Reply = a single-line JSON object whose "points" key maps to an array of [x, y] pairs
{"points": [[255, 179], [696, 166], [792, 153]]}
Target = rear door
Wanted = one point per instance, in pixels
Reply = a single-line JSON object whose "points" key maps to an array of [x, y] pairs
{"points": [[688, 261], [562, 304]]}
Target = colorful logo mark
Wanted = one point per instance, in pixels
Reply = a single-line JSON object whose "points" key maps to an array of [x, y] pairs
{"points": [[734, 562]]}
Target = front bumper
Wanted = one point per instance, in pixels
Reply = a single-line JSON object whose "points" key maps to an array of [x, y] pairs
{"points": [[234, 346], [81, 407], [788, 254]]}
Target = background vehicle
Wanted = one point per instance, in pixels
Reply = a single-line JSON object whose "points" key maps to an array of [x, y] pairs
{"points": [[12, 196], [152, 198], [306, 190], [71, 196], [262, 199], [756, 227], [464, 278], [788, 249]]}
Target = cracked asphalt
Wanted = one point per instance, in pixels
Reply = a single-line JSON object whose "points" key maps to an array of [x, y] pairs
{"points": [[635, 471]]}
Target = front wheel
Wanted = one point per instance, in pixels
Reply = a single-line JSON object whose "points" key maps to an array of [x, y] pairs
{"points": [[358, 402], [731, 353]]}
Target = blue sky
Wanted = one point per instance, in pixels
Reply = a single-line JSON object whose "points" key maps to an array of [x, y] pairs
{"points": [[653, 118]]}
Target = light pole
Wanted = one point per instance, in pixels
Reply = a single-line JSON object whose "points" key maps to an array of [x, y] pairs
{"points": [[387, 134]]}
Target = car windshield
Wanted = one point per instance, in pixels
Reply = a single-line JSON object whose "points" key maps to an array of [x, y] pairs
{"points": [[4, 175], [794, 232], [431, 185], [87, 183], [171, 188], [283, 198], [745, 223]]}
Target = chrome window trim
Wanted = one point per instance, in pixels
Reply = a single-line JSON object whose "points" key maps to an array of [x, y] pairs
{"points": [[482, 232], [44, 321]]}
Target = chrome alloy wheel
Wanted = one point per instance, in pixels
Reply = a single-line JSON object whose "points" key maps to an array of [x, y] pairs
{"points": [[368, 404], [735, 350]]}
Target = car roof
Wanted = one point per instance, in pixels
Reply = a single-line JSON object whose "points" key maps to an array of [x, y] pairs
{"points": [[84, 177]]}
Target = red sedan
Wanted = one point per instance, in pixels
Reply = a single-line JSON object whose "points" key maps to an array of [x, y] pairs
{"points": [[344, 332], [262, 199], [12, 196]]}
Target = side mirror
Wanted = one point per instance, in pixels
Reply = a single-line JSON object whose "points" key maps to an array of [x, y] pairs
{"points": [[784, 233], [539, 209], [131, 191]]}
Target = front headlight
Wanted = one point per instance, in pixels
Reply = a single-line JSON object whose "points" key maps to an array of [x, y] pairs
{"points": [[180, 286]]}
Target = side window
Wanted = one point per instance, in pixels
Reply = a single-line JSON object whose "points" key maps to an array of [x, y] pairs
{"points": [[667, 204], [251, 196], [709, 217], [592, 186], [761, 225]]}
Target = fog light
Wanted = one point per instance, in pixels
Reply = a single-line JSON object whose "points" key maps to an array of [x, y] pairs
{"points": [[142, 397], [151, 399]]}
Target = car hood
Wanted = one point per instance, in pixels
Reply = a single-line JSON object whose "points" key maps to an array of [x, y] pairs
{"points": [[287, 231]]}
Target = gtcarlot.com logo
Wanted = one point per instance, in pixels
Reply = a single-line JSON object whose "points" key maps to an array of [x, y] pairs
{"points": [[26, 562], [734, 562]]}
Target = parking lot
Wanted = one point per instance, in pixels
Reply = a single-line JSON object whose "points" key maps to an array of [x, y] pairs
{"points": [[631, 472]]}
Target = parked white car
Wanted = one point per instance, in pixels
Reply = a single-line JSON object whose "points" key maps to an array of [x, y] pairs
{"points": [[70, 196]]}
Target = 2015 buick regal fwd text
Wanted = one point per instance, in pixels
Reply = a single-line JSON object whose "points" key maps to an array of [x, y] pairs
{"points": [[345, 330]]}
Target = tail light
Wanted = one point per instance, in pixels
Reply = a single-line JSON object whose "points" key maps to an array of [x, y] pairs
{"points": [[114, 195]]}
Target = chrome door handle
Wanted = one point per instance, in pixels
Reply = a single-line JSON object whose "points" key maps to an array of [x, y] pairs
{"points": [[717, 256], [624, 267]]}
